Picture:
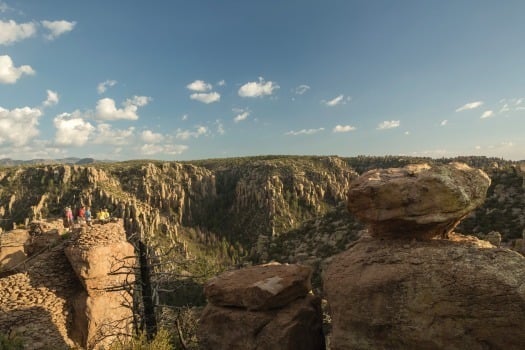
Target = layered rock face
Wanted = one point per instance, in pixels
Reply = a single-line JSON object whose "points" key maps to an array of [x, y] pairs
{"points": [[104, 263], [402, 290], [417, 200], [262, 307]]}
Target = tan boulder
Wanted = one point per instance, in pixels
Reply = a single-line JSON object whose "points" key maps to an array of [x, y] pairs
{"points": [[460, 293], [417, 200], [104, 262], [296, 326], [259, 287], [12, 251]]}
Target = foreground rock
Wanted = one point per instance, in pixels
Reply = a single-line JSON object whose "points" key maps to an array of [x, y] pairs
{"points": [[417, 200], [440, 294], [260, 287], [103, 261], [262, 307]]}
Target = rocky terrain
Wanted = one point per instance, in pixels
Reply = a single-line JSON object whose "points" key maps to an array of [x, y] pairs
{"points": [[200, 218]]}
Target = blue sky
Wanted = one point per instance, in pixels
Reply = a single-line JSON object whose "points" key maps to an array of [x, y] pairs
{"points": [[183, 80]]}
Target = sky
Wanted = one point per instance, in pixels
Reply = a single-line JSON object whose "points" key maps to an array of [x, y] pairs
{"points": [[187, 80]]}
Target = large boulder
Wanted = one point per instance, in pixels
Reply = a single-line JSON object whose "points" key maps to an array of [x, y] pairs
{"points": [[460, 293], [418, 200], [259, 287], [104, 263], [295, 326], [12, 251], [262, 307]]}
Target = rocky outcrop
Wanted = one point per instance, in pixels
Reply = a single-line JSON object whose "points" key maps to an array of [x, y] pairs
{"points": [[398, 289], [417, 200], [461, 293], [262, 307], [12, 251], [35, 299], [104, 263]]}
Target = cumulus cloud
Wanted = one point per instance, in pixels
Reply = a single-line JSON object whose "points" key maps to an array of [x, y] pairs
{"points": [[206, 97], [57, 28], [304, 132], [337, 100], [102, 87], [221, 83], [389, 124], [11, 32], [487, 114], [18, 126], [107, 110], [52, 98], [187, 134], [149, 136], [301, 89], [72, 129], [343, 128], [105, 134], [444, 122], [151, 149], [257, 89], [9, 74], [470, 105], [241, 115], [199, 86]]}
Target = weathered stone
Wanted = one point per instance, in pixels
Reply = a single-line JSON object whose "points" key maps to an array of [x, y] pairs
{"points": [[101, 257], [259, 287], [417, 200], [460, 293], [296, 326], [12, 251]]}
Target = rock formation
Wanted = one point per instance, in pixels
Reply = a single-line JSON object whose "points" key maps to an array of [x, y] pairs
{"points": [[51, 301], [398, 289], [104, 263], [417, 200], [262, 307]]}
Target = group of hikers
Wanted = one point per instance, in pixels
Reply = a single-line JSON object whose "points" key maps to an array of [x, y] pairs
{"points": [[84, 216]]}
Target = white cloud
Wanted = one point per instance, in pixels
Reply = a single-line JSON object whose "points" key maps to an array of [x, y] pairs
{"points": [[9, 74], [470, 105], [389, 124], [487, 114], [241, 116], [57, 28], [151, 149], [301, 89], [220, 127], [52, 98], [199, 86], [304, 132], [257, 89], [149, 136], [104, 134], [18, 126], [107, 110], [187, 134], [102, 87], [221, 83], [72, 129], [444, 122], [505, 108], [343, 128], [407, 132], [184, 117], [11, 32], [337, 100], [207, 98]]}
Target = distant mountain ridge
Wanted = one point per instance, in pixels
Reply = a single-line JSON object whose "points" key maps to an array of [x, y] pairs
{"points": [[43, 161]]}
